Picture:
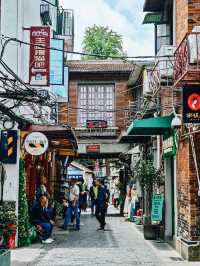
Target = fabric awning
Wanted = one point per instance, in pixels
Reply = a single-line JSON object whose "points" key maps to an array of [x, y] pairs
{"points": [[151, 126], [152, 18]]}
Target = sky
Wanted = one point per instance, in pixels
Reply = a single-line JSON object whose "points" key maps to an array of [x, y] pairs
{"points": [[123, 16]]}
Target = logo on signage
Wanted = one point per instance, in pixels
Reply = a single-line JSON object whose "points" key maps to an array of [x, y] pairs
{"points": [[36, 143], [191, 104], [194, 102]]}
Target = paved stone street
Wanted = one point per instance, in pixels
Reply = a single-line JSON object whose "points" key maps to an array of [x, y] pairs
{"points": [[122, 244]]}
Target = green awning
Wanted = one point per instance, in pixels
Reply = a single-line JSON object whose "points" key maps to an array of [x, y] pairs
{"points": [[151, 126], [152, 18]]}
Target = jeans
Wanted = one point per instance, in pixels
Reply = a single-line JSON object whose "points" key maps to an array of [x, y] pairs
{"points": [[92, 206], [100, 214], [72, 210], [46, 230]]}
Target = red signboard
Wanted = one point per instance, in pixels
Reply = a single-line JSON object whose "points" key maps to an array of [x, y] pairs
{"points": [[94, 148], [96, 124], [39, 64]]}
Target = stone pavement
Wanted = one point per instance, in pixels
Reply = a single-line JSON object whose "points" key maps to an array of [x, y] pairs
{"points": [[121, 245]]}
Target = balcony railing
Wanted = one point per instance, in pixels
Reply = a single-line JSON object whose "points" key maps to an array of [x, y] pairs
{"points": [[187, 59], [45, 14]]}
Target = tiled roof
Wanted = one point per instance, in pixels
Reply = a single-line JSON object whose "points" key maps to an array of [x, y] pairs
{"points": [[100, 66]]}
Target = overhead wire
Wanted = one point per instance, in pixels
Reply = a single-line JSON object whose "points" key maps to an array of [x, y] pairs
{"points": [[81, 53]]}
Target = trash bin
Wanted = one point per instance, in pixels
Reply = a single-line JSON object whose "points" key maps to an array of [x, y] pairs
{"points": [[5, 258]]}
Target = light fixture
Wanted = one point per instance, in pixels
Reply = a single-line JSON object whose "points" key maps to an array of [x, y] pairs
{"points": [[176, 121]]}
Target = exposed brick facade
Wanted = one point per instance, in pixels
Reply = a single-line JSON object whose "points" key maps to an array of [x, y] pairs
{"points": [[187, 16], [68, 111]]}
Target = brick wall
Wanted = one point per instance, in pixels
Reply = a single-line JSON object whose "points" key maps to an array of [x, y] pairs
{"points": [[187, 186], [193, 194], [68, 111], [187, 16], [183, 188], [181, 19]]}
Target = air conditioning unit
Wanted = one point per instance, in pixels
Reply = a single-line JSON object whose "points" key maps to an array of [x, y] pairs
{"points": [[164, 63], [194, 46]]}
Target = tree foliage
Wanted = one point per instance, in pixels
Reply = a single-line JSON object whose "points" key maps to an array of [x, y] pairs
{"points": [[102, 41], [148, 174]]}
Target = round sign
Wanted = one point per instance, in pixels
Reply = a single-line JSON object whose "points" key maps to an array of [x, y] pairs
{"points": [[194, 102], [36, 143]]}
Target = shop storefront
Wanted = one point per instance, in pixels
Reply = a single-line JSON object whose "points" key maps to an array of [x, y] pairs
{"points": [[162, 188], [52, 163]]}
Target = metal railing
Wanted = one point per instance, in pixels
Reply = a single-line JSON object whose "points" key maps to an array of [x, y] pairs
{"points": [[187, 57]]}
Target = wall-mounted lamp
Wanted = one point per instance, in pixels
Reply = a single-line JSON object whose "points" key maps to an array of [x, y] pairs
{"points": [[176, 121]]}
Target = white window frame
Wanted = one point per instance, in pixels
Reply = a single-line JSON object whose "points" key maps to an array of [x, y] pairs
{"points": [[96, 97]]}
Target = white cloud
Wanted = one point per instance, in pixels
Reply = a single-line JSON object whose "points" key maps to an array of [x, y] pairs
{"points": [[137, 39]]}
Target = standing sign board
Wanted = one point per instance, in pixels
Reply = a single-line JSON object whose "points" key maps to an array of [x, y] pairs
{"points": [[157, 208], [36, 143], [39, 64], [191, 104]]}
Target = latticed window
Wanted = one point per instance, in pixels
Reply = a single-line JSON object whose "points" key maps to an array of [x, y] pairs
{"points": [[96, 102]]}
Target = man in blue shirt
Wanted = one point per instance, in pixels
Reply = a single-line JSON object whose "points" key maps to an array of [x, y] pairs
{"points": [[100, 211]]}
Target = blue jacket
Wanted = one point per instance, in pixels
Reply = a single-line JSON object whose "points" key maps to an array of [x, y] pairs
{"points": [[39, 215], [101, 197]]}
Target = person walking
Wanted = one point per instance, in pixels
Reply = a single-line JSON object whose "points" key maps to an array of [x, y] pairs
{"points": [[73, 206], [93, 196], [107, 198], [100, 211]]}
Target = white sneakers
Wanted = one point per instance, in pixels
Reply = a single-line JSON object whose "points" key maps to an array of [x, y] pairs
{"points": [[47, 241]]}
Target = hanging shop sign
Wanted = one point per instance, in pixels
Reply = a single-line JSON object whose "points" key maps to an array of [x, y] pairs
{"points": [[96, 124], [157, 208], [39, 64], [57, 62], [191, 104], [94, 148], [169, 145], [36, 143], [62, 90], [8, 146]]}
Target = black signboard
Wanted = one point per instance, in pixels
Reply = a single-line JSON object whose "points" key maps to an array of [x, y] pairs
{"points": [[96, 124], [8, 146], [191, 104]]}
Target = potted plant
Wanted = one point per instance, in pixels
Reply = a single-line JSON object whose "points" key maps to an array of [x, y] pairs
{"points": [[7, 230], [149, 178]]}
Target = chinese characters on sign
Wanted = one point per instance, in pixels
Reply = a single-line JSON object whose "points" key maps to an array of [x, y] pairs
{"points": [[157, 208], [169, 145], [39, 56], [96, 124], [191, 104], [94, 148]]}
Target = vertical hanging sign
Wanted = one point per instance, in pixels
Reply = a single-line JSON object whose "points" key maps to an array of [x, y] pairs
{"points": [[39, 64]]}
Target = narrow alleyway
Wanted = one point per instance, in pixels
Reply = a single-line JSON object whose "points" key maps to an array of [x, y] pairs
{"points": [[122, 244]]}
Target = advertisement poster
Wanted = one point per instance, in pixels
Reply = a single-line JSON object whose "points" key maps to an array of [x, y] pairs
{"points": [[39, 64], [191, 104]]}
